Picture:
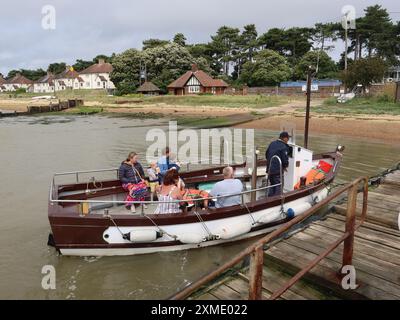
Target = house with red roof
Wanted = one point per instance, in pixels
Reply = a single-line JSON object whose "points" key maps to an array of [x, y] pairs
{"points": [[97, 76], [18, 82], [197, 81]]}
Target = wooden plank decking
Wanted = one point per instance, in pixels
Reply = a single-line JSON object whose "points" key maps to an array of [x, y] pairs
{"points": [[376, 256]]}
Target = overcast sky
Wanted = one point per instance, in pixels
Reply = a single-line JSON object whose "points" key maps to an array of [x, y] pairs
{"points": [[86, 28]]}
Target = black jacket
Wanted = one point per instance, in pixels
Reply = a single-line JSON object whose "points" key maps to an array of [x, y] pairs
{"points": [[280, 149], [128, 175]]}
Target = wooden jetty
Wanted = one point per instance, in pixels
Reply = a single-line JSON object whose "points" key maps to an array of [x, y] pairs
{"points": [[362, 230], [53, 107]]}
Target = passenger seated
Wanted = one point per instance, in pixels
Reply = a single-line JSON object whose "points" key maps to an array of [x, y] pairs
{"points": [[226, 187], [169, 192]]}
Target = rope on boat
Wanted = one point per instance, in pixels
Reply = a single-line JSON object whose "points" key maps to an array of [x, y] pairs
{"points": [[203, 224], [161, 230]]}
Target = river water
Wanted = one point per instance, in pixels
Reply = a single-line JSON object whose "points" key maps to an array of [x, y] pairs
{"points": [[33, 148]]}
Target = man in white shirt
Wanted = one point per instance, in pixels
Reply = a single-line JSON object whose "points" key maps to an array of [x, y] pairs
{"points": [[226, 187]]}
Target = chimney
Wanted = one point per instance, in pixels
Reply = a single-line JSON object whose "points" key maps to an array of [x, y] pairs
{"points": [[102, 61], [195, 67]]}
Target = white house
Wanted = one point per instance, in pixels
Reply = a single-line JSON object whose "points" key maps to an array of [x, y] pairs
{"points": [[17, 82], [393, 75], [97, 76], [44, 84], [66, 79]]}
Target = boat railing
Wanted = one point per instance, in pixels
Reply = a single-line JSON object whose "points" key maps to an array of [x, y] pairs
{"points": [[256, 250], [192, 200], [155, 201]]}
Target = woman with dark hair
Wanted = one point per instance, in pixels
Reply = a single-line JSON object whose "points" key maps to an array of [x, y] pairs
{"points": [[169, 193], [131, 175]]}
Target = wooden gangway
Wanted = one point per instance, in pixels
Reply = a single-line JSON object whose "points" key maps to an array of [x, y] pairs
{"points": [[306, 262]]}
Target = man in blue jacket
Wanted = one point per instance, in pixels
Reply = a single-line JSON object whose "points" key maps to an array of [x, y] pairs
{"points": [[278, 148]]}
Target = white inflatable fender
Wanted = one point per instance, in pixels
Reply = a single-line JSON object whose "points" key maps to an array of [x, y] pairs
{"points": [[299, 209], [270, 217], [191, 238], [139, 236], [321, 196], [234, 230]]}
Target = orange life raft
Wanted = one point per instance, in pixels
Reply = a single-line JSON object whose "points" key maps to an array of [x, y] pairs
{"points": [[317, 174]]}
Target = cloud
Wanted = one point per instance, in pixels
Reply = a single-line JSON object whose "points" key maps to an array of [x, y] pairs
{"points": [[90, 27]]}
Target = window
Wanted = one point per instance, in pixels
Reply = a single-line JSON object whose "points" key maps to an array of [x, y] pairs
{"points": [[194, 89], [98, 84]]}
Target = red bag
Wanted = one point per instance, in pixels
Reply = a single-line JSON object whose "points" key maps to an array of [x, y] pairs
{"points": [[324, 166]]}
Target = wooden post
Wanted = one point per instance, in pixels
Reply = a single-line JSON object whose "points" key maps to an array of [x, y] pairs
{"points": [[350, 225], [256, 268], [397, 97]]}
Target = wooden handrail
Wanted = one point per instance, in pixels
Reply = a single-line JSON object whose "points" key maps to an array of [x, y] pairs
{"points": [[256, 250]]}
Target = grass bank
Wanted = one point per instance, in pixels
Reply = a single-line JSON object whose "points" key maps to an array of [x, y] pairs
{"points": [[360, 106], [101, 97]]}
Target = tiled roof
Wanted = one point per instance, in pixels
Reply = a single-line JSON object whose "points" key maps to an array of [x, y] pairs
{"points": [[80, 79], [68, 74], [102, 78], [102, 67], [19, 79], [2, 80], [48, 78], [148, 87], [204, 79]]}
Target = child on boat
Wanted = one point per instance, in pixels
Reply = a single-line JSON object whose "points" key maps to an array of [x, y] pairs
{"points": [[154, 178]]}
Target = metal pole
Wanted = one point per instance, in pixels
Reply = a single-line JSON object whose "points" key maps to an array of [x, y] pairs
{"points": [[254, 176], [345, 53], [309, 75]]}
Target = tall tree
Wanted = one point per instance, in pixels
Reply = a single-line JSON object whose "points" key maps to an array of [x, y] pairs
{"points": [[180, 39], [166, 63], [126, 70], [163, 63], [224, 46], [247, 45], [30, 74], [322, 34], [267, 68], [56, 67], [292, 43], [153, 43], [81, 64], [320, 61]]}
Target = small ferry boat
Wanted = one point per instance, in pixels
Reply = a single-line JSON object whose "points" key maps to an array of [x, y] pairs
{"points": [[89, 218]]}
